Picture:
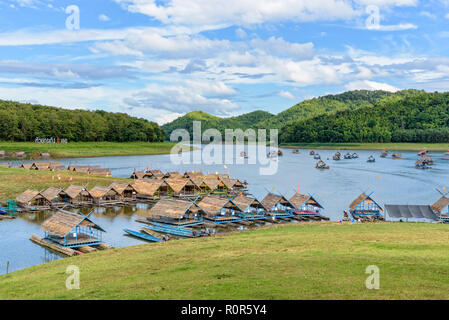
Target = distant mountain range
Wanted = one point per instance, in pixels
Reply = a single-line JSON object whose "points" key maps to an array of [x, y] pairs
{"points": [[353, 116]]}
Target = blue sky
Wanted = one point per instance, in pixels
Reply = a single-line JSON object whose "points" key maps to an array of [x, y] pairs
{"points": [[161, 59]]}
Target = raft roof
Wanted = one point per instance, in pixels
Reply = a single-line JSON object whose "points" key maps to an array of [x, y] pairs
{"points": [[362, 197], [272, 200], [211, 205], [191, 174], [51, 193], [299, 199], [27, 196], [74, 191], [212, 183], [63, 222], [98, 192], [442, 203], [147, 187], [244, 202], [137, 175], [177, 184], [172, 208], [120, 187]]}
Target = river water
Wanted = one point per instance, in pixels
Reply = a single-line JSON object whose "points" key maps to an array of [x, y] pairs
{"points": [[392, 181]]}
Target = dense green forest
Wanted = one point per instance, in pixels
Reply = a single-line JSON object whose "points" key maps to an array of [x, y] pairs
{"points": [[208, 121], [408, 116], [25, 122], [353, 116]]}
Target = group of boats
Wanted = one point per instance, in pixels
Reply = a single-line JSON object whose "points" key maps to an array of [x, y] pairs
{"points": [[337, 157]]}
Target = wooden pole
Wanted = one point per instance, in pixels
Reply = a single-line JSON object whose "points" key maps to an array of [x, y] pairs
{"points": [[7, 267]]}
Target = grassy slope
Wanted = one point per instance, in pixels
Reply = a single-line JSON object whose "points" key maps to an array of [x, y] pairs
{"points": [[370, 146], [15, 181], [90, 149], [308, 261]]}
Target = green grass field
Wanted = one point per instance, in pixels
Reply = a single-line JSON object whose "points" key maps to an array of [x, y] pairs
{"points": [[371, 146], [296, 261], [15, 181], [90, 149]]}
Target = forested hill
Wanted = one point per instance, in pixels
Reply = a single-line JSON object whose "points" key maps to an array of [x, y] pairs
{"points": [[208, 121], [260, 119], [408, 116], [25, 122]]}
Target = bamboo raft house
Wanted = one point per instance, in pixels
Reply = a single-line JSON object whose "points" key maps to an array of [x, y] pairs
{"points": [[147, 189], [204, 188], [32, 200], [175, 212], [154, 174], [371, 159], [56, 197], [384, 154], [173, 175], [126, 191], [277, 206], [423, 163], [26, 166], [423, 152], [83, 169], [306, 206], [69, 233], [137, 175], [104, 196], [44, 165], [337, 156], [220, 210], [321, 165], [365, 207], [441, 208], [100, 172], [251, 208], [233, 186], [77, 196], [348, 156], [183, 187], [312, 153]]}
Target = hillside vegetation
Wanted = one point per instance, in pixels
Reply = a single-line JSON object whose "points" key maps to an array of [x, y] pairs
{"points": [[409, 116], [25, 122], [297, 261]]}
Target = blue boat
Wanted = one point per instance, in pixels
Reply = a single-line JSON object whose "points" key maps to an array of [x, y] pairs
{"points": [[141, 235], [176, 231]]}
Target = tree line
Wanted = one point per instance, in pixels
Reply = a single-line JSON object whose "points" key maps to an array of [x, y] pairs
{"points": [[25, 122]]}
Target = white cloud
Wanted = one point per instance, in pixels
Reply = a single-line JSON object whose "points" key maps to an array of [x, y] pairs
{"points": [[370, 85], [286, 94], [103, 17]]}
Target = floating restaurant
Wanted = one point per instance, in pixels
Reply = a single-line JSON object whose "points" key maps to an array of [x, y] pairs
{"points": [[33, 200], [306, 205], [441, 208], [176, 212], [251, 208]]}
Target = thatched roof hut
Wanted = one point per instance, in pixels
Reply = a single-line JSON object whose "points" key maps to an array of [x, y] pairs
{"points": [[147, 188], [32, 197], [276, 202], [173, 175], [44, 165], [183, 186], [26, 166], [166, 210], [103, 193], [78, 193], [83, 169], [72, 230], [216, 206], [100, 172], [57, 168], [364, 205], [52, 194], [299, 200], [440, 205], [248, 204], [154, 174], [124, 189]]}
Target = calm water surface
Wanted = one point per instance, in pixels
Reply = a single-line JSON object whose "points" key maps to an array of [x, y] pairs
{"points": [[393, 182]]}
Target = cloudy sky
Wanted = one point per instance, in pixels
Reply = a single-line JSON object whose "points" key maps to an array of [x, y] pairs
{"points": [[159, 59]]}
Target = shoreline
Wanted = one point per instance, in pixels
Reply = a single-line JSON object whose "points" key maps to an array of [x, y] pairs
{"points": [[435, 147]]}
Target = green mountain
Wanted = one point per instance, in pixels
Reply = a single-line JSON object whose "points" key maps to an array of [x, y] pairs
{"points": [[407, 116], [25, 122], [260, 119], [245, 121]]}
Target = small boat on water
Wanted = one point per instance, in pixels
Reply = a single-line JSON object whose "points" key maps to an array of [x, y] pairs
{"points": [[295, 151], [355, 155], [423, 152], [143, 236], [384, 154], [312, 153], [317, 157], [280, 153], [243, 155], [337, 156], [424, 163], [348, 156], [371, 159], [397, 156], [321, 165]]}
